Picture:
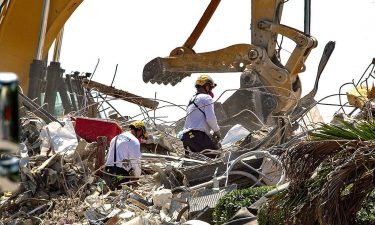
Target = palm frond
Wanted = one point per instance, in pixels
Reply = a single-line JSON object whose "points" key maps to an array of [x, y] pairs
{"points": [[362, 131]]}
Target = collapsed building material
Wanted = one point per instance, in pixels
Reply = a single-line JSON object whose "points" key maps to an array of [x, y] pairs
{"points": [[71, 181], [236, 133], [62, 139], [359, 96], [37, 109], [100, 153], [162, 197], [203, 173], [124, 95], [30, 134], [70, 175], [173, 158], [203, 202], [71, 93], [54, 84], [77, 85], [114, 116]]}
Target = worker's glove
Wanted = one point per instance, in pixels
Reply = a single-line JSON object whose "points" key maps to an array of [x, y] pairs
{"points": [[216, 136], [118, 178]]}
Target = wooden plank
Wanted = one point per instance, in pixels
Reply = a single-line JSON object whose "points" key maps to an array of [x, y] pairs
{"points": [[100, 153]]}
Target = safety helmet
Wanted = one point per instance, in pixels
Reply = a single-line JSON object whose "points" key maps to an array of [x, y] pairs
{"points": [[139, 125], [205, 79]]}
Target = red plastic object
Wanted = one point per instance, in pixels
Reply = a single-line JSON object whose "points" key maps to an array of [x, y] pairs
{"points": [[89, 129]]}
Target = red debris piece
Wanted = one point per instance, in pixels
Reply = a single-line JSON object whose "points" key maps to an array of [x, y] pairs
{"points": [[90, 129]]}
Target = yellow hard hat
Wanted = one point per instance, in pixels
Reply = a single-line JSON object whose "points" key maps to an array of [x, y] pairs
{"points": [[205, 79], [140, 126]]}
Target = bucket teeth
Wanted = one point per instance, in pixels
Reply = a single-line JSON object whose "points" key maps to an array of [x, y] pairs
{"points": [[156, 71]]}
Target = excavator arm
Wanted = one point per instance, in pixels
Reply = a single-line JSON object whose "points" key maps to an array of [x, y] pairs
{"points": [[268, 87], [20, 22]]}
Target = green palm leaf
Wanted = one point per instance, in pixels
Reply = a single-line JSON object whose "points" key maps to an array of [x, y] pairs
{"points": [[364, 130]]}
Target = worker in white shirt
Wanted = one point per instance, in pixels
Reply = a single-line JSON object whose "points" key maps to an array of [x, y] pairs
{"points": [[201, 119], [124, 154]]}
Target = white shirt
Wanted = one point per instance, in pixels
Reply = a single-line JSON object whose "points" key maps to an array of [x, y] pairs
{"points": [[127, 147], [196, 120]]}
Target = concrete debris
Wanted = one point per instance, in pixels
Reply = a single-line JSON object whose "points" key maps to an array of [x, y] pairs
{"points": [[139, 220], [162, 197], [195, 222], [59, 171], [62, 168]]}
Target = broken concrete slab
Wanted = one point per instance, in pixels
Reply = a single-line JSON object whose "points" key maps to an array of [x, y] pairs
{"points": [[124, 95]]}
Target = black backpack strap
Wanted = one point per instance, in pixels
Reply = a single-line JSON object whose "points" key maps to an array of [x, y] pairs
{"points": [[192, 101], [115, 155]]}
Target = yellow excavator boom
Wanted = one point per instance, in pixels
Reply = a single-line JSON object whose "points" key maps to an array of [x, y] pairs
{"points": [[20, 24]]}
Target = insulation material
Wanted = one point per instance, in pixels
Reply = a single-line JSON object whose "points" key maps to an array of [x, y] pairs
{"points": [[63, 140]]}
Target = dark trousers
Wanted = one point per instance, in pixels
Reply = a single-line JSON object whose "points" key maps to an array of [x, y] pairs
{"points": [[115, 181], [198, 141]]}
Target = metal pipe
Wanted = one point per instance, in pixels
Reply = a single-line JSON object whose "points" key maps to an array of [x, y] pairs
{"points": [[58, 44], [202, 185], [307, 17], [43, 29]]}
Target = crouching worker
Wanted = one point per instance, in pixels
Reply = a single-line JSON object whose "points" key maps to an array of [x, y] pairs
{"points": [[123, 159], [201, 119]]}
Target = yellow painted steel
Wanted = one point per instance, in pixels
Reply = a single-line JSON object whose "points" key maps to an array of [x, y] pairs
{"points": [[19, 33], [360, 96], [259, 57]]}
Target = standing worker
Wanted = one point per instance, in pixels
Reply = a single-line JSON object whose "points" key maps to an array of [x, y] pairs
{"points": [[201, 119], [124, 154]]}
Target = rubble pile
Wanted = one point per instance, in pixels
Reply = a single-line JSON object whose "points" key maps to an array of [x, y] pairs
{"points": [[61, 184], [63, 181]]}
